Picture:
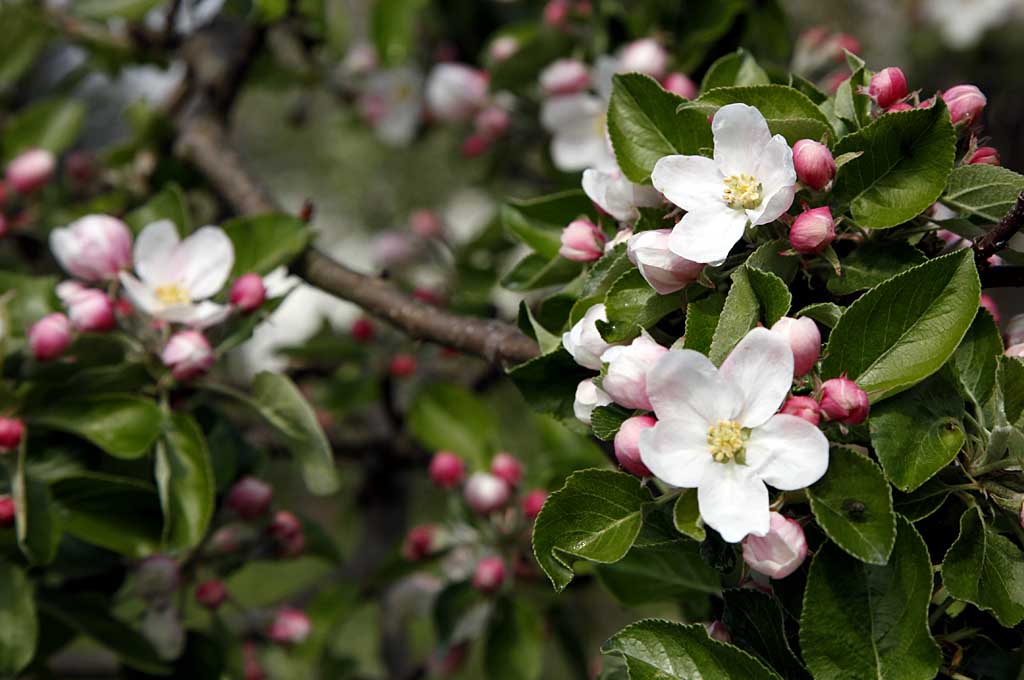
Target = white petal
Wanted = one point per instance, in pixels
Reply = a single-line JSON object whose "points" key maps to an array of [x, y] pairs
{"points": [[709, 234], [576, 150], [787, 452], [154, 251], [760, 368], [676, 451], [733, 502], [202, 315], [778, 181], [205, 260], [691, 182], [140, 295], [685, 385], [741, 133], [570, 112]]}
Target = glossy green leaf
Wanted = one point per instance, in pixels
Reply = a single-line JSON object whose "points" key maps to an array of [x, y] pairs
{"points": [[168, 204], [606, 420], [738, 68], [32, 298], [686, 515], [755, 297], [663, 650], [755, 623], [605, 272], [985, 569], [852, 106], [983, 191], [536, 271], [921, 502], [904, 329], [701, 321], [36, 520], [789, 112], [265, 242], [116, 513], [184, 476], [19, 628], [51, 124], [917, 433], [631, 305], [873, 263], [548, 383], [977, 358], [122, 425], [645, 124], [905, 163], [853, 505], [770, 257], [825, 313], [446, 417], [596, 516], [514, 647]]}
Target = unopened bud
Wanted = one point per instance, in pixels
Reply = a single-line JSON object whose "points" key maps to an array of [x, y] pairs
{"points": [[248, 292], [812, 231], [11, 432], [486, 493], [844, 401], [888, 86], [447, 470], [362, 330], [492, 122], [188, 354], [626, 378], [644, 56], [49, 337], [965, 103], [286, 531], [564, 76], [803, 407], [211, 594], [157, 578], [717, 631], [556, 13], [6, 511], [30, 170], [899, 106], [680, 84], [988, 303], [289, 627], [804, 339], [489, 575], [90, 310], [402, 365], [250, 497], [582, 241], [814, 164], [984, 155], [588, 397], [419, 542], [502, 48], [533, 502], [507, 467], [252, 668], [475, 145], [425, 223], [627, 445], [778, 553]]}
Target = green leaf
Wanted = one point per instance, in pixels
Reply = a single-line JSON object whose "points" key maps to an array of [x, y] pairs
{"points": [[51, 124], [662, 650], [826, 313], [33, 298], [19, 628], [918, 432], [184, 475], [868, 621], [606, 420], [596, 516], [769, 258], [985, 569], [514, 649], [548, 383], [789, 112], [738, 68], [755, 623], [122, 425], [853, 505], [873, 263], [27, 36], [169, 204], [446, 417], [977, 358], [701, 321], [527, 322], [645, 123], [632, 305], [907, 158], [1011, 385], [538, 222], [393, 29], [36, 520], [132, 10], [686, 515], [605, 272], [853, 107], [755, 297], [265, 242], [903, 330], [536, 271], [922, 501], [983, 191], [117, 513]]}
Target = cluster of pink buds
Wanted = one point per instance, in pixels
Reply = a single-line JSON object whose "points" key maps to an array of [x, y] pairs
{"points": [[250, 501]]}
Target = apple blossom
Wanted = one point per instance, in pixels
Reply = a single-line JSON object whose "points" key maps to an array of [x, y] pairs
{"points": [[285, 530], [750, 180], [965, 103], [402, 365], [582, 241], [803, 407], [812, 231], [492, 122], [157, 578], [588, 397], [502, 48], [455, 91], [447, 470], [628, 365], [627, 445], [489, 575], [486, 492], [719, 431], [645, 55], [507, 467], [12, 430], [188, 354], [844, 401], [888, 86], [419, 542], [813, 163], [93, 248], [804, 339], [984, 155], [7, 511], [30, 170], [680, 84], [564, 76], [778, 553], [49, 337], [533, 502], [250, 497], [211, 594], [579, 139], [290, 626], [90, 310], [899, 106], [248, 292], [616, 195], [1015, 351], [393, 104], [660, 267], [584, 342]]}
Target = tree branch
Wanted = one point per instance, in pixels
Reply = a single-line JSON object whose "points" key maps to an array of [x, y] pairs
{"points": [[996, 239]]}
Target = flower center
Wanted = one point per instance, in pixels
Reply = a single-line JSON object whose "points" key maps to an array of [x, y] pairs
{"points": [[742, 191], [726, 440], [171, 294]]}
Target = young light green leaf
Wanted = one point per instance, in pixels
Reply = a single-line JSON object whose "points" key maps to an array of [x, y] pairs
{"points": [[514, 647], [977, 358], [169, 204], [789, 112], [184, 476], [393, 29], [738, 68], [686, 515], [51, 124], [867, 621], [632, 305], [19, 627], [122, 425], [265, 242], [986, 192], [755, 297]]}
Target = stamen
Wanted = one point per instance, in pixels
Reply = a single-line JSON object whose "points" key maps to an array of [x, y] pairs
{"points": [[742, 191], [727, 440], [172, 294]]}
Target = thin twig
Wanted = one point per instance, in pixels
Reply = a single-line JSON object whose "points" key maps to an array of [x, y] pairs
{"points": [[996, 239]]}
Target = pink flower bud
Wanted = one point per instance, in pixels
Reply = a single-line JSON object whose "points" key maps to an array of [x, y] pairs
{"points": [[492, 122], [717, 631], [888, 86], [680, 84], [362, 330], [419, 542], [582, 241], [778, 553], [588, 397], [49, 337], [6, 511], [1015, 351], [556, 13], [627, 445], [475, 145], [988, 304], [626, 377], [533, 502], [248, 292], [984, 155], [90, 310], [11, 432], [211, 594], [157, 578], [454, 92], [502, 48], [584, 342], [486, 493], [402, 365], [507, 467], [447, 470], [965, 103], [30, 170], [803, 407], [188, 354], [660, 267], [250, 497], [804, 339], [564, 76], [812, 231], [814, 164], [844, 401], [644, 56], [289, 627], [226, 540], [287, 534], [489, 575], [251, 662], [899, 106], [425, 223], [93, 248], [81, 166]]}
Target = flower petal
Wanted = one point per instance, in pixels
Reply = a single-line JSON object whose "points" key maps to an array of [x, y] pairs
{"points": [[576, 150], [760, 367], [676, 451], [201, 315], [708, 234], [733, 502], [691, 182], [154, 252], [777, 175], [685, 385], [204, 261], [787, 452], [570, 112], [140, 295], [741, 133]]}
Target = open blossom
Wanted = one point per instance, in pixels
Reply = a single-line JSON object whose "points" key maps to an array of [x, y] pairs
{"points": [[719, 431], [584, 342], [175, 277], [626, 379], [455, 91], [588, 397], [750, 180], [644, 56], [93, 248], [579, 139], [392, 103], [660, 267], [564, 76], [616, 195]]}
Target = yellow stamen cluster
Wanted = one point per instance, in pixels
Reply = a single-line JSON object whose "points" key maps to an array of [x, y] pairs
{"points": [[172, 294], [742, 191], [726, 440]]}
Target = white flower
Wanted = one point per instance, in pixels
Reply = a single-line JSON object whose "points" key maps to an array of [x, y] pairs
{"points": [[628, 366], [577, 123], [175, 277], [751, 180], [719, 431], [963, 22], [455, 91], [392, 102], [584, 341], [616, 195], [660, 267], [588, 397]]}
